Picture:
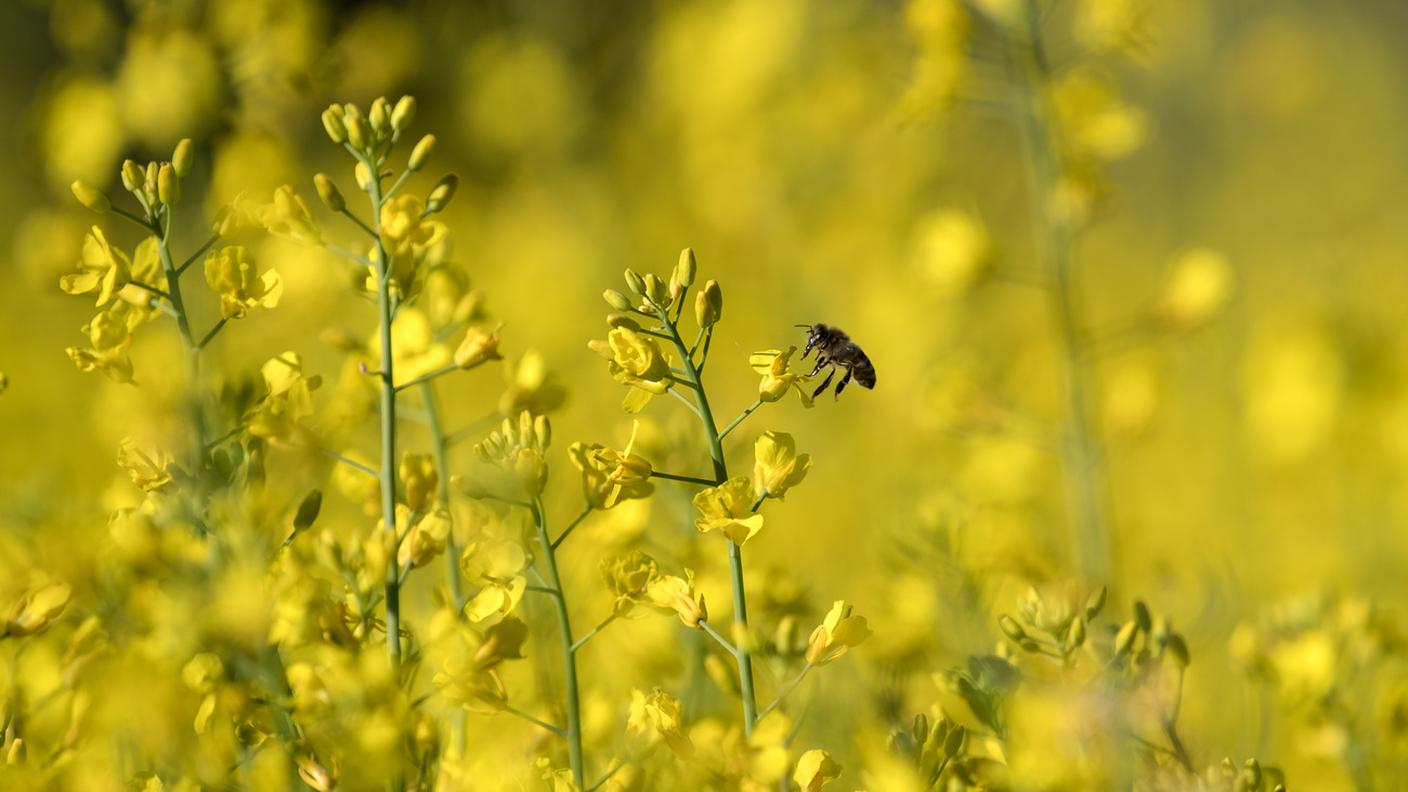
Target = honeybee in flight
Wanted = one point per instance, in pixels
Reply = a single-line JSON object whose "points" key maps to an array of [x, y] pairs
{"points": [[835, 348]]}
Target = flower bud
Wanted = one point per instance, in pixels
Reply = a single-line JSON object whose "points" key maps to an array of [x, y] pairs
{"points": [[1251, 773], [363, 175], [635, 282], [380, 117], [1141, 615], [332, 122], [1124, 639], [1095, 603], [183, 156], [708, 304], [444, 190], [404, 113], [953, 743], [684, 271], [168, 187], [616, 300], [477, 347], [655, 290], [328, 192], [622, 320], [357, 132], [1075, 635], [1011, 628], [132, 176], [91, 196], [1177, 648], [421, 153], [149, 181], [37, 608]]}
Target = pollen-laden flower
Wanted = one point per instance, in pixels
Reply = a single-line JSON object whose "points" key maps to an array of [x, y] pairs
{"points": [[635, 360], [777, 377], [102, 269], [151, 472], [531, 387], [110, 336], [289, 398], [777, 467], [677, 595], [840, 631], [37, 609], [628, 576], [404, 227], [657, 717], [232, 274], [515, 460], [418, 478], [147, 271], [426, 540], [479, 346], [728, 509], [288, 216], [814, 769], [610, 476]]}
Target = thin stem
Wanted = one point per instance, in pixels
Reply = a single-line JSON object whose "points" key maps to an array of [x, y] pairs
{"points": [[354, 218], [686, 479], [568, 530], [442, 471], [717, 636], [583, 640], [210, 336], [686, 402], [185, 265], [400, 180], [424, 378], [345, 253], [704, 356], [183, 324], [352, 463], [551, 592], [569, 659], [222, 438], [150, 288], [148, 225], [616, 765], [736, 421], [735, 555], [558, 730], [474, 428], [782, 694]]}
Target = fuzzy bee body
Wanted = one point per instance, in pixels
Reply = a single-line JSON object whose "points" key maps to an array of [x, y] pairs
{"points": [[836, 349]]}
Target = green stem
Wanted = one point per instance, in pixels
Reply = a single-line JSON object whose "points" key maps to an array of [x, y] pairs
{"points": [[583, 640], [736, 421], [210, 336], [735, 554], [717, 636], [569, 659], [1080, 455], [442, 471], [571, 526], [424, 378], [782, 694], [192, 258], [686, 479]]}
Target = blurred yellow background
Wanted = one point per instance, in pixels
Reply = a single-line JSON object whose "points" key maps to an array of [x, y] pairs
{"points": [[1231, 181]]}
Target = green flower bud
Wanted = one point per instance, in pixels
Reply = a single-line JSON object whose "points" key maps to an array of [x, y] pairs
{"points": [[953, 743], [708, 304], [404, 113], [655, 290], [622, 320], [1141, 615], [1095, 603], [635, 282], [168, 187], [332, 197], [920, 730], [380, 117], [616, 300], [1124, 639], [685, 270], [1011, 628], [1075, 635], [358, 134], [443, 192], [91, 196], [1177, 648], [132, 176], [183, 156], [332, 122], [421, 153]]}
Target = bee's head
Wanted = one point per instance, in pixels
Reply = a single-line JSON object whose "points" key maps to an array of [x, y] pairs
{"points": [[815, 333]]}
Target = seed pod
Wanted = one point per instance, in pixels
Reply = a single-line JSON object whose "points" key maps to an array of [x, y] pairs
{"points": [[183, 156], [421, 153], [404, 113], [328, 192], [91, 196]]}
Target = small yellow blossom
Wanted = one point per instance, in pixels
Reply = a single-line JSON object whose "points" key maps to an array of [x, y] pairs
{"points": [[657, 717], [610, 476], [418, 477], [728, 509], [514, 460], [477, 347], [1198, 287], [289, 397], [531, 387], [814, 769], [150, 472], [777, 467], [37, 609], [836, 634], [426, 539], [635, 360], [777, 378], [102, 269], [628, 576], [110, 333], [232, 275], [677, 595], [288, 216], [404, 229]]}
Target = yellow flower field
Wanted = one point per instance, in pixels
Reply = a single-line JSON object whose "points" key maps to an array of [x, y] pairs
{"points": [[399, 396]]}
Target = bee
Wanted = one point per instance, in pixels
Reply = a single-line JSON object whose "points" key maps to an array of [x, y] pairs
{"points": [[835, 348]]}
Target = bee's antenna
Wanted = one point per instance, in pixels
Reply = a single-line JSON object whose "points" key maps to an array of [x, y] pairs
{"points": [[805, 326]]}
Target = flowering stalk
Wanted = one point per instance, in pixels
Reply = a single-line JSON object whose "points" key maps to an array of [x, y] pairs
{"points": [[573, 732], [1081, 456]]}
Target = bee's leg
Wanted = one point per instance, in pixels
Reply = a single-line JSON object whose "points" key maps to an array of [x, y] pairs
{"points": [[821, 360], [824, 382], [840, 386]]}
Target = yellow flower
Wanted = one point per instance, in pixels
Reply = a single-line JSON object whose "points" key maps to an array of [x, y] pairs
{"points": [[37, 609], [241, 214], [404, 229], [777, 378], [426, 539], [1198, 287], [777, 467], [677, 595], [836, 634], [531, 387], [110, 333], [289, 398], [497, 597], [635, 360], [610, 476], [814, 769], [287, 216], [514, 456], [477, 347], [728, 508], [628, 576], [150, 472], [233, 276], [103, 269], [657, 717], [146, 270], [419, 477]]}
